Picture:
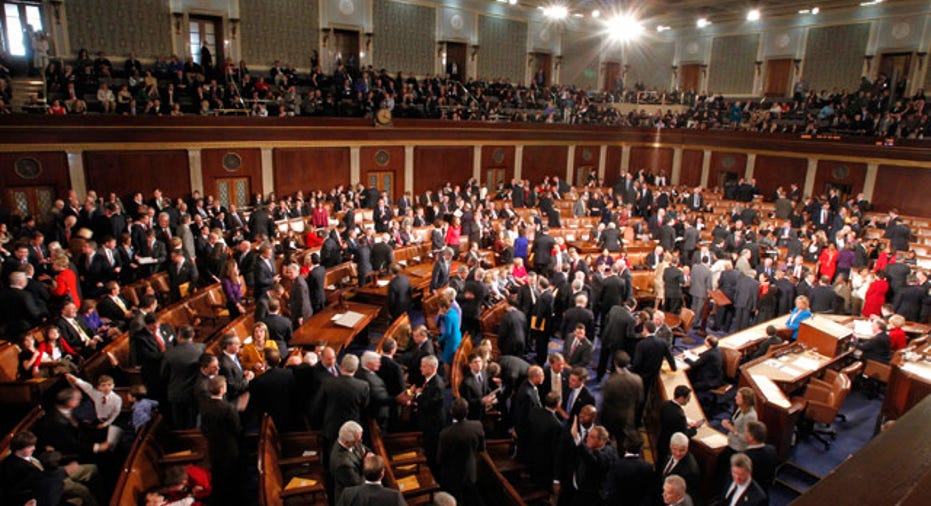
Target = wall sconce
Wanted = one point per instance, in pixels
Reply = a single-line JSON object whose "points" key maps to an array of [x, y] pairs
{"points": [[474, 52], [440, 48], [798, 64], [56, 10], [868, 59], [368, 40], [675, 72], [759, 66], [326, 36], [234, 25], [558, 62], [178, 18]]}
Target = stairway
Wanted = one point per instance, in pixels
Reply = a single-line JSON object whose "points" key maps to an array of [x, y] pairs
{"points": [[23, 87], [793, 479]]}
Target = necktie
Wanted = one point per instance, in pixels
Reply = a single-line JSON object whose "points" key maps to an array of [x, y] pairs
{"points": [[77, 326], [669, 466], [34, 461], [119, 302], [39, 253], [159, 340], [575, 345], [571, 400], [333, 371], [110, 257]]}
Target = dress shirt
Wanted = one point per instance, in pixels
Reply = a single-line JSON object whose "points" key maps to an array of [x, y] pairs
{"points": [[107, 406], [734, 493]]}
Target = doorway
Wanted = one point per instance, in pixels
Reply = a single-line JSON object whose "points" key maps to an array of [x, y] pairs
{"points": [[346, 48], [582, 174], [233, 190], [727, 177], [896, 67], [613, 82], [203, 32], [34, 201], [494, 178], [778, 77], [384, 181], [690, 77], [542, 66], [20, 21], [456, 54]]}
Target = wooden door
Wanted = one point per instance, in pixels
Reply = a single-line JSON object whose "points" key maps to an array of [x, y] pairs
{"points": [[456, 54], [542, 66], [612, 76], [205, 31], [34, 201], [690, 77], [582, 173], [494, 177], [778, 77], [346, 48], [233, 190], [384, 181], [896, 67]]}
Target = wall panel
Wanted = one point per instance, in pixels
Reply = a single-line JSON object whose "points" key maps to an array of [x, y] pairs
{"points": [[383, 159], [405, 37], [541, 161], [690, 174], [436, 165], [585, 156], [613, 158], [732, 64], [724, 162], [54, 171], [310, 169], [283, 29], [650, 64], [126, 172], [580, 60], [99, 25], [902, 188], [212, 168], [841, 173], [498, 157], [653, 160], [504, 48], [834, 56], [772, 172]]}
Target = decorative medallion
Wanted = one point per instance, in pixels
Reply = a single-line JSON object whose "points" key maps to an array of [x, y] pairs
{"points": [[382, 158], [783, 40], [587, 155], [728, 162], [27, 168], [498, 156], [840, 171], [347, 7], [232, 162], [901, 30], [691, 48], [455, 21]]}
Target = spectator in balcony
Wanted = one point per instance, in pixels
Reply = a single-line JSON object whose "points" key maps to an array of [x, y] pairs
{"points": [[54, 78], [106, 99], [125, 103], [102, 66]]}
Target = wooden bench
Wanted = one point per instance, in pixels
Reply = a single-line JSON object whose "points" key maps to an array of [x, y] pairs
{"points": [[398, 327], [500, 455], [337, 278], [241, 326], [405, 465], [25, 424], [154, 450], [12, 389], [300, 465], [489, 321]]}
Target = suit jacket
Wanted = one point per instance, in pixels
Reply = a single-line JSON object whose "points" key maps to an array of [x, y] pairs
{"points": [[57, 431], [472, 391], [380, 401], [71, 336], [21, 481], [629, 482], [187, 274], [279, 330], [346, 467], [752, 496], [512, 332], [99, 271], [339, 400], [180, 368], [612, 291], [611, 239], [236, 383], [392, 374], [111, 310], [19, 312], [542, 249], [708, 371], [592, 473], [458, 450], [400, 296], [431, 415], [299, 305], [440, 276], [264, 276], [671, 419], [316, 284], [582, 356], [382, 257], [702, 281], [618, 330], [575, 315], [764, 465], [687, 469], [908, 301], [621, 395], [822, 299], [545, 431], [370, 495], [582, 399], [273, 392], [526, 398], [648, 358]]}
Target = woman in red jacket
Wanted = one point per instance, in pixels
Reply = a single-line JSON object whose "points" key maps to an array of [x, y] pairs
{"points": [[65, 282], [827, 261], [876, 295]]}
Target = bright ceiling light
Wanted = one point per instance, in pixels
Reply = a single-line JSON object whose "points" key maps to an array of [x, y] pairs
{"points": [[596, 13], [624, 28], [753, 15], [816, 10], [512, 2], [702, 22], [556, 12], [661, 28], [872, 2]]}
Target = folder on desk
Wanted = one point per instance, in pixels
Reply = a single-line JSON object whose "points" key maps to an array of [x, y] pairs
{"points": [[349, 319], [298, 482], [408, 483]]}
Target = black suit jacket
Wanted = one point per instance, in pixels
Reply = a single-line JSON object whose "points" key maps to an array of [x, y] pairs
{"points": [[620, 396], [57, 431], [220, 425], [431, 416], [687, 469], [279, 329], [526, 398], [339, 400], [648, 358], [458, 450], [188, 274], [545, 431], [400, 296], [71, 336], [380, 401], [592, 472], [236, 383], [512, 332], [472, 391], [316, 283], [583, 399], [612, 290], [708, 371], [412, 361], [440, 276], [618, 330], [19, 312], [370, 495], [21, 481], [629, 482], [392, 374], [299, 305], [754, 495], [575, 315], [582, 356], [273, 392], [822, 299], [542, 250], [180, 368], [671, 419], [382, 257], [764, 465]]}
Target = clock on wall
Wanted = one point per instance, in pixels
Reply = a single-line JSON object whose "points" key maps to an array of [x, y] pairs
{"points": [[383, 118]]}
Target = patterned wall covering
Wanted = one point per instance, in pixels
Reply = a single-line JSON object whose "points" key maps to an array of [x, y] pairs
{"points": [[834, 56], [543, 37], [283, 30], [97, 25], [732, 63], [404, 37], [503, 50], [580, 59], [650, 64]]}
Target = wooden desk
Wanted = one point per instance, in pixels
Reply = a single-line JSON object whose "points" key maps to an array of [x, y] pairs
{"points": [[909, 383], [825, 335], [791, 368], [419, 275], [320, 328]]}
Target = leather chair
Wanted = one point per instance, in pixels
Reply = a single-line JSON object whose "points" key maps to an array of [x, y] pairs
{"points": [[875, 377], [680, 326], [823, 400]]}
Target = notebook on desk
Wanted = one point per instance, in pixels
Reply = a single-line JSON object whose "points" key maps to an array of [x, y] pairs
{"points": [[298, 482], [349, 319]]}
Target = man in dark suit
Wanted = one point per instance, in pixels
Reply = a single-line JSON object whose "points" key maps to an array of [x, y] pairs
{"points": [[897, 233], [263, 272], [371, 492], [316, 283], [526, 398], [617, 334], [237, 379], [400, 295], [786, 293], [878, 347], [179, 369], [429, 411], [76, 333], [578, 348], [382, 254], [673, 280], [908, 300], [595, 457], [545, 428], [542, 253], [578, 314], [621, 394], [612, 291], [95, 270], [114, 307], [346, 458], [707, 372], [611, 238], [743, 490], [272, 392], [152, 341], [672, 419], [341, 399], [18, 309], [512, 332], [577, 395], [260, 222], [181, 271], [380, 402], [476, 388], [23, 478], [221, 427], [440, 276], [822, 296], [680, 463], [299, 306], [762, 455], [280, 329], [541, 319], [421, 346], [151, 249], [771, 340], [629, 480], [648, 357], [459, 446], [897, 274]]}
